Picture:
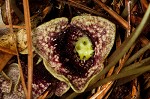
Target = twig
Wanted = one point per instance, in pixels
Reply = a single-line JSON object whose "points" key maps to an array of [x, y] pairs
{"points": [[8, 11], [144, 40], [135, 89], [102, 91], [20, 70], [11, 31], [22, 76], [14, 26], [129, 18], [29, 41], [44, 95]]}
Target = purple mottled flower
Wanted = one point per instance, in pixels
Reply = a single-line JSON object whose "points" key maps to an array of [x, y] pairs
{"points": [[74, 52]]}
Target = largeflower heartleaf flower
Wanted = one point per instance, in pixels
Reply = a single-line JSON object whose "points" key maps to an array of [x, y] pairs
{"points": [[74, 52]]}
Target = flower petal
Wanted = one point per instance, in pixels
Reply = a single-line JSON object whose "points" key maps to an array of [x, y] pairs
{"points": [[56, 48], [43, 80], [101, 29]]}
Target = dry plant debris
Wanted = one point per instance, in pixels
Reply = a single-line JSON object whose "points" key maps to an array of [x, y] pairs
{"points": [[68, 49]]}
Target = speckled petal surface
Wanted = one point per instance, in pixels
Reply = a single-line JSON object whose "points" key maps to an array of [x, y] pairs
{"points": [[12, 72], [5, 84], [57, 48], [43, 80], [102, 30], [45, 33]]}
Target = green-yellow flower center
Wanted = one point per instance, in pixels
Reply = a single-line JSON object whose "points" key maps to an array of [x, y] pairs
{"points": [[84, 48]]}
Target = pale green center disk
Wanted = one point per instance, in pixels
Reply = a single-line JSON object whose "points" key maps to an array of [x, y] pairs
{"points": [[84, 48]]}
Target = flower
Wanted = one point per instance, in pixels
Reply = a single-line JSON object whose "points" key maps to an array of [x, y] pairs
{"points": [[74, 52]]}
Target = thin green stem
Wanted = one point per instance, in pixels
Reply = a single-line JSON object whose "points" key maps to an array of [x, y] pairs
{"points": [[137, 64], [121, 75], [138, 54], [127, 79], [133, 67]]}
